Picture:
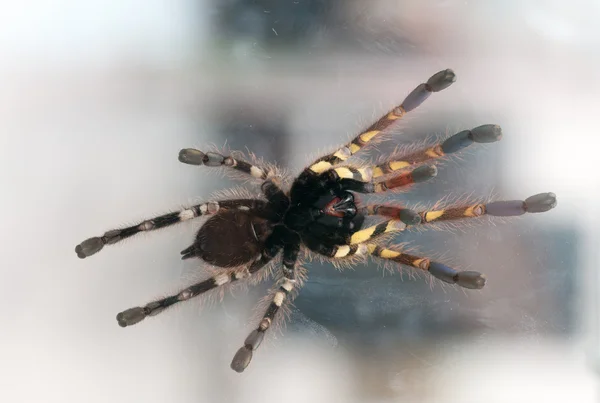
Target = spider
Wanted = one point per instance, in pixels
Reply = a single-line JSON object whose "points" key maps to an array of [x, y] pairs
{"points": [[319, 214]]}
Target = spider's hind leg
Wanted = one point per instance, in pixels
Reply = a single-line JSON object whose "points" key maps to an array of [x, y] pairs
{"points": [[135, 315], [466, 279], [94, 245], [291, 249]]}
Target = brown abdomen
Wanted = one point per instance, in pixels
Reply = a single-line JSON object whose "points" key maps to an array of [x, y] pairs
{"points": [[232, 238]]}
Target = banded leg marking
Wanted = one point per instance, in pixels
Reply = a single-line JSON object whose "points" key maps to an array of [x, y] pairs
{"points": [[340, 251], [135, 315], [243, 356], [437, 82], [94, 245], [407, 216], [419, 174], [538, 203], [467, 279], [455, 143], [192, 156], [358, 174], [374, 231]]}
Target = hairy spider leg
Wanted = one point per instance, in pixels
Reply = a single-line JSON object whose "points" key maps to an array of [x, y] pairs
{"points": [[506, 208], [482, 134], [374, 231], [192, 156], [135, 315], [436, 83], [538, 203], [455, 143], [467, 279], [365, 184], [243, 356], [94, 245]]}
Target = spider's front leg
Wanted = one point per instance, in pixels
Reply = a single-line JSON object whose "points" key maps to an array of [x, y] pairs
{"points": [[482, 134], [353, 179], [289, 282], [363, 180], [436, 83], [466, 279]]}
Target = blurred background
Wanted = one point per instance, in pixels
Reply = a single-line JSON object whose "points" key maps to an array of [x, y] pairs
{"points": [[97, 98]]}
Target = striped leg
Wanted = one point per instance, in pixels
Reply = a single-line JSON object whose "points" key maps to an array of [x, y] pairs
{"points": [[212, 159], [374, 231], [93, 245], [481, 134], [437, 82], [338, 251], [244, 355], [419, 174], [538, 203], [402, 217], [343, 172], [466, 279], [135, 315], [407, 216]]}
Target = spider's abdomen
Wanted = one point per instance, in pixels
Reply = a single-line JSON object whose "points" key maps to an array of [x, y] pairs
{"points": [[231, 238]]}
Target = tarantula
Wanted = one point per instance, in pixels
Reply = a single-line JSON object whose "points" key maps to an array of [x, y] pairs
{"points": [[318, 212]]}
